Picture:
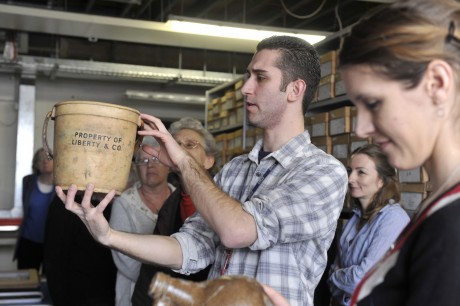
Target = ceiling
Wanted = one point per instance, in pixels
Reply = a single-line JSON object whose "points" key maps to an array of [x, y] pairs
{"points": [[40, 40]]}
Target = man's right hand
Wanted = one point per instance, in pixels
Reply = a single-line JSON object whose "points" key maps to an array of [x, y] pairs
{"points": [[92, 217]]}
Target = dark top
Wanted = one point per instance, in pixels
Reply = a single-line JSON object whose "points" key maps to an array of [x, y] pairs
{"points": [[79, 270], [169, 222], [424, 266]]}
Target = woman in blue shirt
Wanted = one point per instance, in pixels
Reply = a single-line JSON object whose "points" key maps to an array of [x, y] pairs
{"points": [[377, 221], [37, 194]]}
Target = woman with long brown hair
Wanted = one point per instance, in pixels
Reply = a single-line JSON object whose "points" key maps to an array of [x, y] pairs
{"points": [[377, 221]]}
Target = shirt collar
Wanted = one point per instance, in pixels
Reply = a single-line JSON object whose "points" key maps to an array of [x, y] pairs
{"points": [[286, 153]]}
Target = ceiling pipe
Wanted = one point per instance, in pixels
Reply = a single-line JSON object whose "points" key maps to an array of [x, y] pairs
{"points": [[57, 68]]}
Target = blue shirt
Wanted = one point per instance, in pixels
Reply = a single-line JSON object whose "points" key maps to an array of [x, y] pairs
{"points": [[295, 208], [34, 223], [359, 250]]}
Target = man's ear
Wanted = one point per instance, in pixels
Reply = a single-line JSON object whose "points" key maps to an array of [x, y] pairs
{"points": [[439, 81], [296, 90]]}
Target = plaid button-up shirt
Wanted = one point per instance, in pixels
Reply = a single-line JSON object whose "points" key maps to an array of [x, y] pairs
{"points": [[295, 208]]}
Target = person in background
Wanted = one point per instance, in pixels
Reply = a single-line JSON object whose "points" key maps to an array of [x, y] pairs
{"points": [[401, 70], [136, 211], [79, 271], [37, 194], [377, 221], [200, 144], [270, 214]]}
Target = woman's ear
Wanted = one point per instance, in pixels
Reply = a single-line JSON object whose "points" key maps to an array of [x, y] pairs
{"points": [[209, 162], [440, 79]]}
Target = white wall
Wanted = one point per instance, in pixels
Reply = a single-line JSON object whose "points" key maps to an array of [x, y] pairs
{"points": [[48, 93], [8, 130]]}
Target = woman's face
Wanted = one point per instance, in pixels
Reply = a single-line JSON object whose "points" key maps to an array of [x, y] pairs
{"points": [[44, 165], [363, 179], [153, 173], [400, 120], [187, 136]]}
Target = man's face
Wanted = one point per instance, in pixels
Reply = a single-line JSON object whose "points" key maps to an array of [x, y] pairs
{"points": [[265, 102]]}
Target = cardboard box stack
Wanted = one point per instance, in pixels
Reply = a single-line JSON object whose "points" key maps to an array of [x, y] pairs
{"points": [[227, 110], [326, 89], [415, 186], [333, 132]]}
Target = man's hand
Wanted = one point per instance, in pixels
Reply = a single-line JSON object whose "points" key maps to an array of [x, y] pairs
{"points": [[91, 216], [170, 153], [275, 297]]}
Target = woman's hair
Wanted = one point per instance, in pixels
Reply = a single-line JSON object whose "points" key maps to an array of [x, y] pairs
{"points": [[36, 160], [400, 40], [298, 60], [390, 189], [195, 125]]}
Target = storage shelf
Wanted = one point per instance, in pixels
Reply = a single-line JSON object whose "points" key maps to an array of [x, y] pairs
{"points": [[329, 104], [229, 128]]}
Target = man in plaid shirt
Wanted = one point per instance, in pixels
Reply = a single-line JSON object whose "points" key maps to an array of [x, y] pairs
{"points": [[270, 214]]}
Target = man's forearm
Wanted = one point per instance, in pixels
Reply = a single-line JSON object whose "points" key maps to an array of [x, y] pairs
{"points": [[225, 215], [161, 250]]}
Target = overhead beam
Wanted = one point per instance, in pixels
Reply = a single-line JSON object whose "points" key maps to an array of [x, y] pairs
{"points": [[111, 28]]}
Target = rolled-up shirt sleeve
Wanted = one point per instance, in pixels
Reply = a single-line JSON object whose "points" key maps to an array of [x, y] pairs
{"points": [[198, 243]]}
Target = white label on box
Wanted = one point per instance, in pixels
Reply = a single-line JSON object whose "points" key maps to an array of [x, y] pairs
{"points": [[337, 126], [410, 176], [340, 150], [340, 88], [411, 200], [324, 91], [318, 129], [326, 68], [356, 144], [353, 123]]}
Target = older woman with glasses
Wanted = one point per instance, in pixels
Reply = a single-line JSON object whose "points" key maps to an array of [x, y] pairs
{"points": [[200, 144], [136, 211]]}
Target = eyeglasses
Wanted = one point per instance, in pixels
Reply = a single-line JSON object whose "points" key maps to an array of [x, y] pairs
{"points": [[146, 161], [188, 144]]}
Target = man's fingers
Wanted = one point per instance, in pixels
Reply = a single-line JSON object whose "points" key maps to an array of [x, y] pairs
{"points": [[276, 298], [60, 193], [106, 200], [69, 199], [86, 202], [154, 122]]}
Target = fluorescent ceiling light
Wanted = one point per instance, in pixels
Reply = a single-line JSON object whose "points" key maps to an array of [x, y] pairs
{"points": [[166, 97], [139, 31], [221, 29]]}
